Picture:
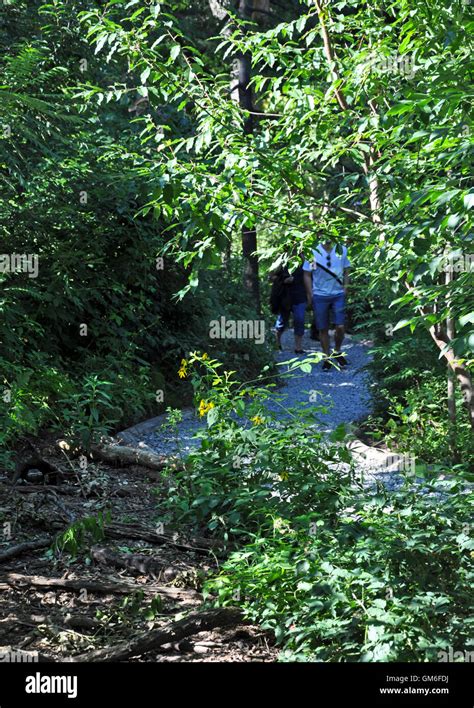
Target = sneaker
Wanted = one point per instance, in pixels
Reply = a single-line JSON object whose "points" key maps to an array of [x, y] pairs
{"points": [[341, 360], [326, 365]]}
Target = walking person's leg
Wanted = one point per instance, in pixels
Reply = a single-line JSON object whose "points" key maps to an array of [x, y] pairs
{"points": [[339, 337], [321, 314], [280, 325], [299, 311], [339, 309], [314, 331], [324, 339]]}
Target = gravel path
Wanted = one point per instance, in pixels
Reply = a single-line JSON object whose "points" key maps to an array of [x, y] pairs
{"points": [[344, 395]]}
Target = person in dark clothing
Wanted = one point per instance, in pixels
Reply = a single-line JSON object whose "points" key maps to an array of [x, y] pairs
{"points": [[292, 300]]}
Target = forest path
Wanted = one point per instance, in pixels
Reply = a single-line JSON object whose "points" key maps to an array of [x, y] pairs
{"points": [[343, 395]]}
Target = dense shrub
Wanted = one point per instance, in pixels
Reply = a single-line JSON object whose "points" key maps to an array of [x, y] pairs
{"points": [[339, 571]]}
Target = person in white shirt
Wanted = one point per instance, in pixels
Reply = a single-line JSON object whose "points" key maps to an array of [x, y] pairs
{"points": [[326, 280]]}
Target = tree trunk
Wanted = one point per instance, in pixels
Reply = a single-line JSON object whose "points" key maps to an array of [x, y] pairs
{"points": [[218, 10], [369, 159], [461, 373], [249, 235], [450, 332]]}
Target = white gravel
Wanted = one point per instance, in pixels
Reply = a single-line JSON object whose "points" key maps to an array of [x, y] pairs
{"points": [[344, 393]]}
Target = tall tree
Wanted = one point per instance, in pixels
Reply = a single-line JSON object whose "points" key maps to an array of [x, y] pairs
{"points": [[249, 10]]}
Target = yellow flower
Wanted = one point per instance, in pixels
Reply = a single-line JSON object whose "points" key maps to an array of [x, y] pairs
{"points": [[205, 407], [284, 475], [257, 420], [182, 373], [205, 356]]}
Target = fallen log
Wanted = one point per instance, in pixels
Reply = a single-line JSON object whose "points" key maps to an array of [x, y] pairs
{"points": [[203, 545], [25, 546], [31, 488], [122, 455], [172, 632], [17, 580], [71, 621], [65, 490]]}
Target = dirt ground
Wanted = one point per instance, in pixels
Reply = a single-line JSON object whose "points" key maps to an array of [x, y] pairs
{"points": [[132, 579]]}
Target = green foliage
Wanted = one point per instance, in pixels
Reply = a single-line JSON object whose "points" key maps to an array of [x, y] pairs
{"points": [[133, 605], [403, 74], [410, 392], [417, 423], [83, 410], [79, 536], [132, 608], [251, 463], [339, 571], [71, 197], [388, 580]]}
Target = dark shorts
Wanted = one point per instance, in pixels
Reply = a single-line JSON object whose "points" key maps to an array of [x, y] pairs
{"points": [[299, 311], [321, 305]]}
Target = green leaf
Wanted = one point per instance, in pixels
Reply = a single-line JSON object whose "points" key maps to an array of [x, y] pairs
{"points": [[466, 319], [400, 324], [304, 586], [100, 43], [300, 23], [145, 74], [175, 50], [212, 416], [468, 200]]}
